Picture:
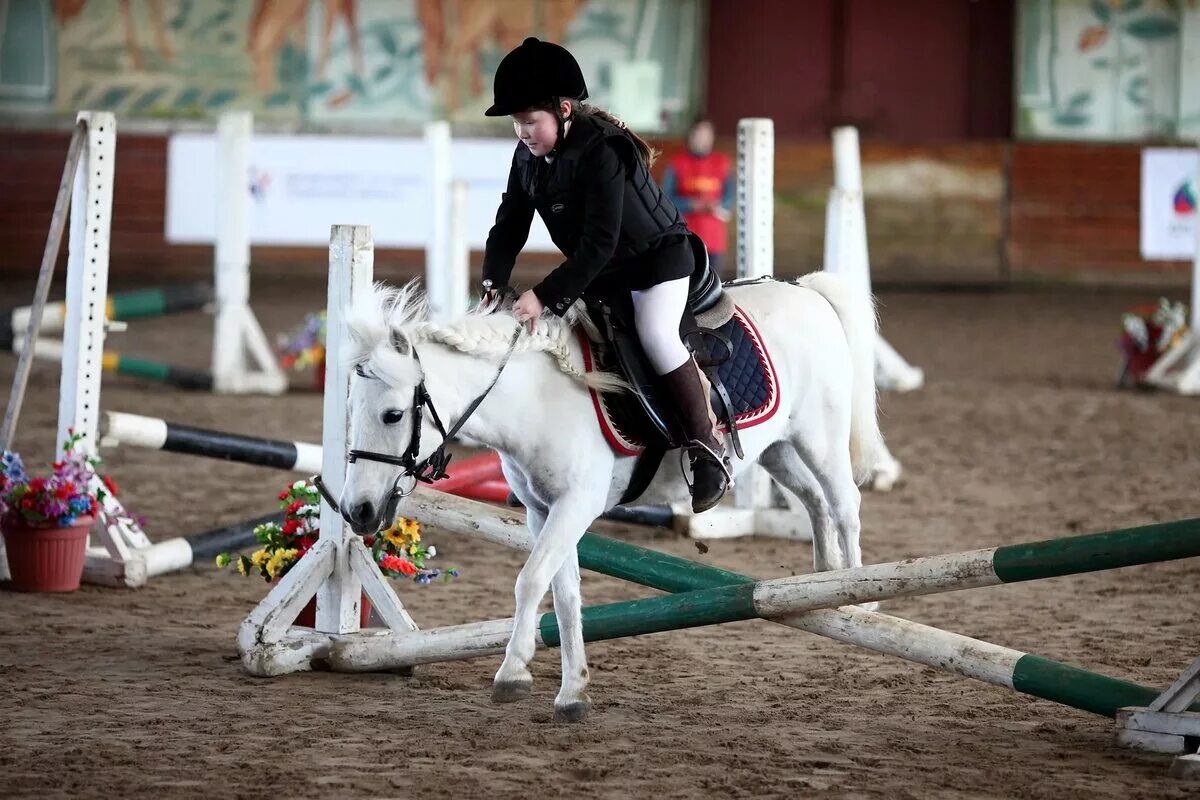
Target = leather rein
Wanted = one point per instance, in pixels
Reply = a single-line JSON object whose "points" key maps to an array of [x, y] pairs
{"points": [[433, 467]]}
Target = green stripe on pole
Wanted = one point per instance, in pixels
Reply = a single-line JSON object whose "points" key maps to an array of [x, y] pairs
{"points": [[1079, 688], [156, 302], [650, 567], [143, 368], [1146, 544], [658, 614]]}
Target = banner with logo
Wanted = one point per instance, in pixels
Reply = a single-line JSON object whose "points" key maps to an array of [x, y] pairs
{"points": [[1169, 199], [300, 185]]}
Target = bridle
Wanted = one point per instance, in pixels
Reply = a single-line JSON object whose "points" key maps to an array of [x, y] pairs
{"points": [[433, 467]]}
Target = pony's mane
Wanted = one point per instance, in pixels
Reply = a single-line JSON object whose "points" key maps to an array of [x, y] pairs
{"points": [[389, 318]]}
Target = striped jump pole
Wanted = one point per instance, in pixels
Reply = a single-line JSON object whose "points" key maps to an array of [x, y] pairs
{"points": [[158, 434], [139, 304], [708, 595], [184, 551], [115, 363]]}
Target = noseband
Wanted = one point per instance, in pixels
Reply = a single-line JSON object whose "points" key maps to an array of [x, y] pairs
{"points": [[433, 467]]}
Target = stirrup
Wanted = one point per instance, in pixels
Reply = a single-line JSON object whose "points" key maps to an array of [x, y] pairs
{"points": [[721, 458]]}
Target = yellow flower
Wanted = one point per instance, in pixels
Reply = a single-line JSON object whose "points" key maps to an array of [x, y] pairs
{"points": [[259, 558], [241, 562], [412, 529], [393, 536], [281, 559]]}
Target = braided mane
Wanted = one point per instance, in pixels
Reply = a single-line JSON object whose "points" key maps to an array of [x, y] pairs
{"points": [[392, 316]]}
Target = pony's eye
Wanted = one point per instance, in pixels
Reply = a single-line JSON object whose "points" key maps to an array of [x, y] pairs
{"points": [[391, 417]]}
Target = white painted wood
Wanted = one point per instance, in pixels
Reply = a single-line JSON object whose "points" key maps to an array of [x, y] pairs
{"points": [[1151, 742], [755, 198], [167, 556], [270, 621], [383, 598], [458, 282], [308, 458], [351, 265], [295, 653], [1182, 693], [1176, 723], [133, 429], [912, 641], [1186, 767], [909, 578], [87, 282], [101, 569], [846, 252], [372, 652], [439, 280], [243, 361]]}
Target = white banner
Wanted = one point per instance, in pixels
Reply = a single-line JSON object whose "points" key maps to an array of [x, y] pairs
{"points": [[301, 185], [1169, 200]]}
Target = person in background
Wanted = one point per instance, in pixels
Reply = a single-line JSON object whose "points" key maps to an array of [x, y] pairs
{"points": [[699, 183]]}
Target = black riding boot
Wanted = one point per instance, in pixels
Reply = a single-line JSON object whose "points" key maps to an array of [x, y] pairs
{"points": [[706, 450]]}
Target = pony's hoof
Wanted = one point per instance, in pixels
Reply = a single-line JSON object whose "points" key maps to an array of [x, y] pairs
{"points": [[573, 712], [510, 691]]}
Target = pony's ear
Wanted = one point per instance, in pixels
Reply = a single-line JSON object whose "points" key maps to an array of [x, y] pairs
{"points": [[400, 343]]}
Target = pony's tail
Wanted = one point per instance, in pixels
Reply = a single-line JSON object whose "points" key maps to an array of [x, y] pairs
{"points": [[860, 324]]}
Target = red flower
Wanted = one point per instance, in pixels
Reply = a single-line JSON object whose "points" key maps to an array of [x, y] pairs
{"points": [[109, 484], [369, 541], [397, 564], [28, 501], [37, 485], [295, 506], [284, 494], [291, 526]]}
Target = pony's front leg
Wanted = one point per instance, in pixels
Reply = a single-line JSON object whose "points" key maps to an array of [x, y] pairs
{"points": [[573, 702], [565, 523]]}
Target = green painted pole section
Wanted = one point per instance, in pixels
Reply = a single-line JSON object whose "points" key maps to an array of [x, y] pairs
{"points": [[1033, 675], [157, 371], [1146, 544], [650, 567], [156, 302], [657, 614], [1079, 688]]}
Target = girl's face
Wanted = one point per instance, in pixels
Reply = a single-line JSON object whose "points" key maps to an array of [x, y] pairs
{"points": [[537, 130]]}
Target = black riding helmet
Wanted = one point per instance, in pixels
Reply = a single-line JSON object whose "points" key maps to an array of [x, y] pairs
{"points": [[536, 73]]}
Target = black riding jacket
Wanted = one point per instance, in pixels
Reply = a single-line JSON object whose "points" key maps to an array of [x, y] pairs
{"points": [[603, 210]]}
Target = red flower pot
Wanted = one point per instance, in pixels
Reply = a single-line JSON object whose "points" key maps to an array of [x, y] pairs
{"points": [[307, 617], [46, 559]]}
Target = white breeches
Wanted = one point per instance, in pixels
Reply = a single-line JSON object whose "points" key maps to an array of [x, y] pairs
{"points": [[656, 315]]}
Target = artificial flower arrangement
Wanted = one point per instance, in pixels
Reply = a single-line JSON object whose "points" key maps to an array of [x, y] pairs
{"points": [[304, 347], [398, 550], [57, 501], [1147, 332]]}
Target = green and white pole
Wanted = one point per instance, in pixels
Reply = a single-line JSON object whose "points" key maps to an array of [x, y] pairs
{"points": [[707, 595]]}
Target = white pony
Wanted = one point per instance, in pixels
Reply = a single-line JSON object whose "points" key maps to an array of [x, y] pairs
{"points": [[821, 444]]}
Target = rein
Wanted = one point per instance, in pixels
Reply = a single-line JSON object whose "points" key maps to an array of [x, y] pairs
{"points": [[433, 467]]}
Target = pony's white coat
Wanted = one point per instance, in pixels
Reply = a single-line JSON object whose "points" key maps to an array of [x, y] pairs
{"points": [[820, 444]]}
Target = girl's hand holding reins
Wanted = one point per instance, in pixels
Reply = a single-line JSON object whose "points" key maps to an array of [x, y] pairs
{"points": [[528, 308]]}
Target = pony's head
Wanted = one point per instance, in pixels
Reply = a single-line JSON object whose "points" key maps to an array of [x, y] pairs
{"points": [[381, 404]]}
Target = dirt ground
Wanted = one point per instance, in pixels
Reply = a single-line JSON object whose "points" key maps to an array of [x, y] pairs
{"points": [[1017, 436]]}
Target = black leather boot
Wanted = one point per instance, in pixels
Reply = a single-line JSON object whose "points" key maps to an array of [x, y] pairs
{"points": [[706, 450]]}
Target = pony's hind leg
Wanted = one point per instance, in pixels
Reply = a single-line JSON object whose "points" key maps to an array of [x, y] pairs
{"points": [[784, 464]]}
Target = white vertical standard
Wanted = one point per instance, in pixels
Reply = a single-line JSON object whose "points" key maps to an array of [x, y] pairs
{"points": [[117, 562], [439, 278], [339, 568], [242, 358], [458, 282], [846, 252], [351, 270], [1178, 369], [754, 494], [1167, 725]]}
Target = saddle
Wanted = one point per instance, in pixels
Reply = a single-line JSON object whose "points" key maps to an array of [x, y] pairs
{"points": [[726, 345]]}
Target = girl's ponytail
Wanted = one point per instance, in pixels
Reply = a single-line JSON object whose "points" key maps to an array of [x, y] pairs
{"points": [[647, 153]]}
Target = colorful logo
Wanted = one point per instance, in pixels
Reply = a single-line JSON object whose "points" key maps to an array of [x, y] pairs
{"points": [[1185, 200], [259, 183]]}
